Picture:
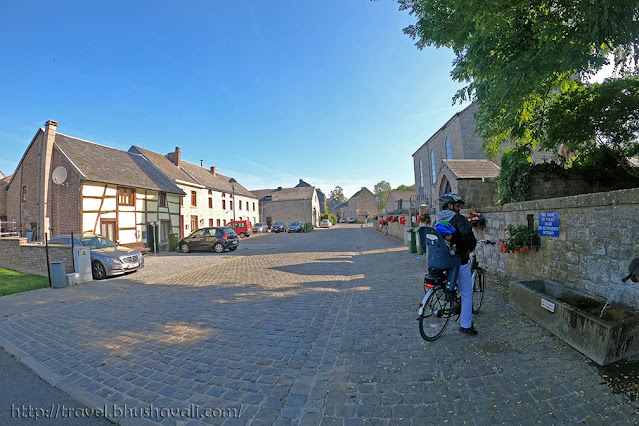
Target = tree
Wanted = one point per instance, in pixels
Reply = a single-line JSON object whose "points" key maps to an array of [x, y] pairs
{"points": [[405, 188], [337, 194], [519, 57], [382, 189]]}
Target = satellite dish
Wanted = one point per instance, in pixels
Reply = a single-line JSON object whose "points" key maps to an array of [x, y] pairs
{"points": [[59, 175]]}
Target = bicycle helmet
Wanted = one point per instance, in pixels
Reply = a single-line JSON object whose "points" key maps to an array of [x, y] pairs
{"points": [[450, 198], [444, 227]]}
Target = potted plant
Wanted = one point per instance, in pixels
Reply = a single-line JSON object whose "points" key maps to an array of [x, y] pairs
{"points": [[475, 218], [423, 218], [518, 239]]}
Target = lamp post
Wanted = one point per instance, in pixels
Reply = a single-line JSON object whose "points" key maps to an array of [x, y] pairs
{"points": [[233, 182]]}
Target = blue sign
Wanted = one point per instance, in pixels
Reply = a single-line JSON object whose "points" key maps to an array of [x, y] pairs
{"points": [[549, 224]]}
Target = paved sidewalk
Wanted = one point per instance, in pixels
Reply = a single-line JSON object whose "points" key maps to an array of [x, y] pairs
{"points": [[315, 328]]}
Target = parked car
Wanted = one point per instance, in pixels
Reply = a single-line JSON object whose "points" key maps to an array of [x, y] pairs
{"points": [[243, 228], [352, 219], [217, 239], [342, 220], [107, 258], [325, 223], [295, 227], [260, 227], [278, 227]]}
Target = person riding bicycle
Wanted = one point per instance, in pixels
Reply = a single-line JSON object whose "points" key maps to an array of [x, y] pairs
{"points": [[451, 264], [464, 240]]}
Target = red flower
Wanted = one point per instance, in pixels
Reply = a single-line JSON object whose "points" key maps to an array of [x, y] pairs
{"points": [[501, 250], [505, 229], [527, 249], [521, 249], [472, 208], [467, 214], [500, 240]]}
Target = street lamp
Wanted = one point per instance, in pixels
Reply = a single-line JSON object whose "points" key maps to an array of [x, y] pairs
{"points": [[233, 182]]}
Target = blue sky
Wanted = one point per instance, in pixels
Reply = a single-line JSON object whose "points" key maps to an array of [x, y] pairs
{"points": [[268, 92]]}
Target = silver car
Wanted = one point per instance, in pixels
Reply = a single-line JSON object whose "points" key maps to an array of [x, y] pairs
{"points": [[107, 258], [260, 227]]}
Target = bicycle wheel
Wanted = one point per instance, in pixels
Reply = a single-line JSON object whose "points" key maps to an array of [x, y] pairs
{"points": [[435, 316], [478, 290]]}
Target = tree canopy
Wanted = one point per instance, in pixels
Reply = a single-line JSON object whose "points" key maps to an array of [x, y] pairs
{"points": [[519, 57], [405, 188], [337, 194], [382, 189]]}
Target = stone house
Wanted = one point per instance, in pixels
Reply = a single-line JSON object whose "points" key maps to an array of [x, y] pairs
{"points": [[320, 195], [339, 208], [400, 200], [299, 204], [4, 183], [455, 140], [362, 205], [209, 196], [105, 190]]}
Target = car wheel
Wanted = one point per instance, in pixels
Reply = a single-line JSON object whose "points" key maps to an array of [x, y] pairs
{"points": [[218, 247], [98, 270], [185, 248], [247, 235]]}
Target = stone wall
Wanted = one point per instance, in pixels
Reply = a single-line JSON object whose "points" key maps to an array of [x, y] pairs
{"points": [[478, 192], [551, 185], [394, 230], [17, 255], [598, 238]]}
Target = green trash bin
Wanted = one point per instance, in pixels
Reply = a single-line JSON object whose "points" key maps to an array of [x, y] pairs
{"points": [[413, 239], [420, 249]]}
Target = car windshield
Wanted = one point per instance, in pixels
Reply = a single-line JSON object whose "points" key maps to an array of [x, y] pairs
{"points": [[295, 224], [258, 224], [278, 223], [97, 242], [228, 231]]}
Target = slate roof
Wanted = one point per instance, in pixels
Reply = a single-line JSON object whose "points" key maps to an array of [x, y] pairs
{"points": [[286, 194], [99, 163], [363, 190], [472, 169], [165, 165], [219, 182]]}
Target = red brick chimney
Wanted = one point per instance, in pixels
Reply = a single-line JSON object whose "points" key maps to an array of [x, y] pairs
{"points": [[175, 156], [213, 170]]}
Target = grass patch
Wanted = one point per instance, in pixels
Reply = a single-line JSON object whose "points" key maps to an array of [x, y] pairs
{"points": [[12, 282]]}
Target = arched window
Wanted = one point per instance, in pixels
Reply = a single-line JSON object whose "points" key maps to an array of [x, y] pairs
{"points": [[421, 173], [449, 155], [432, 165]]}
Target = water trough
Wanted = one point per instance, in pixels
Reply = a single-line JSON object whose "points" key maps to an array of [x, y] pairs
{"points": [[575, 318]]}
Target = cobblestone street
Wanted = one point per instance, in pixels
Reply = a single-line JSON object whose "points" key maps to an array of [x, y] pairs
{"points": [[316, 328]]}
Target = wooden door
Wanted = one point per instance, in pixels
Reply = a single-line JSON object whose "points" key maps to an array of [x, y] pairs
{"points": [[108, 229]]}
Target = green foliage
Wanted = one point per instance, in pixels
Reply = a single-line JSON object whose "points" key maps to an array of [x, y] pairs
{"points": [[173, 242], [606, 113], [516, 58], [382, 189], [405, 188], [519, 239], [308, 227], [330, 217], [337, 194], [513, 182]]}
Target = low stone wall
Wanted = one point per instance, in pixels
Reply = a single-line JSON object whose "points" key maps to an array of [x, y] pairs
{"points": [[598, 238], [394, 230], [16, 254]]}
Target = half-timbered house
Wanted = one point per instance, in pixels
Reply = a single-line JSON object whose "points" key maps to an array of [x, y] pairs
{"points": [[104, 190]]}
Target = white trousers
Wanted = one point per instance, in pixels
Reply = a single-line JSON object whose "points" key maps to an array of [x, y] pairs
{"points": [[465, 285]]}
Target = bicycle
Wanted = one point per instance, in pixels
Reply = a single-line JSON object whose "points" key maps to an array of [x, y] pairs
{"points": [[477, 273], [440, 303]]}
